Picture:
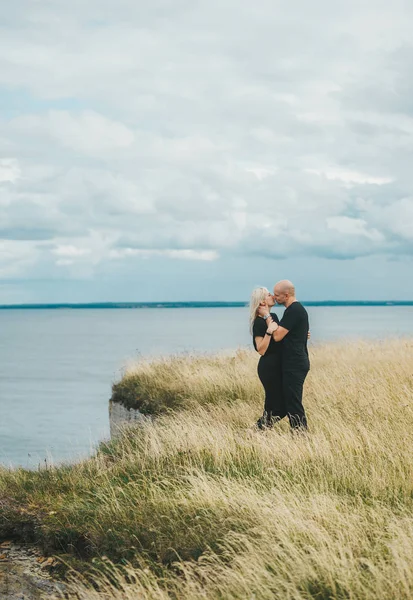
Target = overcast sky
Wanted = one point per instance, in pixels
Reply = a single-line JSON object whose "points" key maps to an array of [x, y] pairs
{"points": [[191, 150]]}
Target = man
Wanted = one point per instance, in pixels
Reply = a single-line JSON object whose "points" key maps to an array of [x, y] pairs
{"points": [[293, 333]]}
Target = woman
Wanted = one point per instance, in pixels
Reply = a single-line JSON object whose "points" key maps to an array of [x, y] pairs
{"points": [[269, 365]]}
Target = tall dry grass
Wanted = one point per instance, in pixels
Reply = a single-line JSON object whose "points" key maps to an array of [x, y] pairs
{"points": [[198, 504]]}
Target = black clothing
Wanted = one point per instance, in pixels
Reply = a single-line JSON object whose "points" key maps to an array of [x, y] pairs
{"points": [[269, 370], [295, 362], [292, 393], [258, 330], [294, 350]]}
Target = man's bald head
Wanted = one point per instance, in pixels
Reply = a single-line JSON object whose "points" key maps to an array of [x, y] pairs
{"points": [[285, 286], [284, 292]]}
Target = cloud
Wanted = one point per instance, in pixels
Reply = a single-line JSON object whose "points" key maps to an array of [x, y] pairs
{"points": [[70, 251], [16, 257], [204, 255], [9, 170], [349, 177], [199, 132], [88, 132], [353, 227]]}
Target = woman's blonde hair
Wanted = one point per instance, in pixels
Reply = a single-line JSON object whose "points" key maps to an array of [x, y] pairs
{"points": [[259, 294]]}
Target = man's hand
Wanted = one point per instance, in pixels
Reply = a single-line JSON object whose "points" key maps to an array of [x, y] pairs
{"points": [[308, 335], [263, 311]]}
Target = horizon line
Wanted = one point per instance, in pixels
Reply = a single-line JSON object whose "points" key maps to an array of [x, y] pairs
{"points": [[194, 304]]}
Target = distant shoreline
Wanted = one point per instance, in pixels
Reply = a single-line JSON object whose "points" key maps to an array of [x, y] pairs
{"points": [[123, 305]]}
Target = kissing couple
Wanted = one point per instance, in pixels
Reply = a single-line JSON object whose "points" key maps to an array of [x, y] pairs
{"points": [[284, 361]]}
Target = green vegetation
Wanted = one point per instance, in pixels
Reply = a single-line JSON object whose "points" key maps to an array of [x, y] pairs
{"points": [[198, 504], [186, 382]]}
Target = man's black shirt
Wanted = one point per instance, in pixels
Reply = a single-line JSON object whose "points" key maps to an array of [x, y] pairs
{"points": [[259, 329], [294, 345]]}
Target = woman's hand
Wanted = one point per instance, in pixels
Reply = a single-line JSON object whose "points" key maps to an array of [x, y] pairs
{"points": [[308, 335], [272, 327]]}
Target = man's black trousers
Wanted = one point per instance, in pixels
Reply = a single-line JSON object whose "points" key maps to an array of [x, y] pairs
{"points": [[292, 384]]}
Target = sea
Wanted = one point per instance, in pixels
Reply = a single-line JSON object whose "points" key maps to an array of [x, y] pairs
{"points": [[57, 365]]}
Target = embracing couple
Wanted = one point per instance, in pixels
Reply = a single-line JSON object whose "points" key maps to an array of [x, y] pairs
{"points": [[284, 361]]}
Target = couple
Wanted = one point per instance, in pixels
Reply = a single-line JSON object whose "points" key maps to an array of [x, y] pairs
{"points": [[284, 361]]}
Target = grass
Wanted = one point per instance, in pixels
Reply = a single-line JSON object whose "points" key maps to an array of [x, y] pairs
{"points": [[197, 504], [170, 384]]}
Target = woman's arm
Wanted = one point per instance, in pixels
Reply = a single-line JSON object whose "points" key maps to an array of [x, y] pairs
{"points": [[262, 343]]}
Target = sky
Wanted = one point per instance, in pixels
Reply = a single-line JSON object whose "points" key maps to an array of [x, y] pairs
{"points": [[194, 149]]}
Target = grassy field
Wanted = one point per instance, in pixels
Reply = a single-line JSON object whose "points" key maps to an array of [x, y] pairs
{"points": [[198, 504]]}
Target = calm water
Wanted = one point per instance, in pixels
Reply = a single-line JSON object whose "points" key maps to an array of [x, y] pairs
{"points": [[57, 366]]}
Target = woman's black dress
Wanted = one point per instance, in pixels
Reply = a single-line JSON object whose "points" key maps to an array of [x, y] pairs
{"points": [[269, 370]]}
